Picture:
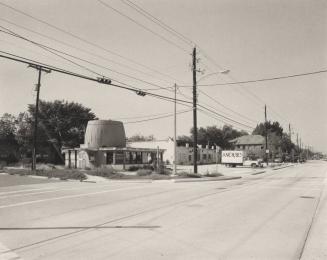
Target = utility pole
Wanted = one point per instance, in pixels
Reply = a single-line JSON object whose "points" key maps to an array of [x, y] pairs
{"points": [[195, 130], [175, 126], [40, 69], [297, 144], [290, 132], [267, 150]]}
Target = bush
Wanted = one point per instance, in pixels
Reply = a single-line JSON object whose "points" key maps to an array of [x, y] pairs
{"points": [[61, 174], [144, 172], [133, 168], [185, 174], [213, 174], [103, 172], [165, 171]]}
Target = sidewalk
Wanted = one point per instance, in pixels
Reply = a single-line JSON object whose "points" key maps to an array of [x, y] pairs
{"points": [[226, 171]]}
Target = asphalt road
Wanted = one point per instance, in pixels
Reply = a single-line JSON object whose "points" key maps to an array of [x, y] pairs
{"points": [[276, 215], [14, 180]]}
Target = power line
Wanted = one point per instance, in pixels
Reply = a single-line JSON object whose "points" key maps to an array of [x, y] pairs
{"points": [[160, 23], [141, 25], [226, 115], [83, 50], [53, 68], [265, 79], [226, 118], [50, 49], [219, 119], [23, 60], [219, 103], [84, 40], [156, 118], [171, 30], [144, 116], [250, 93]]}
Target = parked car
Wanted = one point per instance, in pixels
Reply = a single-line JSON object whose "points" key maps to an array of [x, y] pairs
{"points": [[253, 163]]}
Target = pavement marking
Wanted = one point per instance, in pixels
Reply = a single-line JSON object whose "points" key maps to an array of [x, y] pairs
{"points": [[7, 254], [313, 218], [66, 197], [55, 190], [19, 191]]}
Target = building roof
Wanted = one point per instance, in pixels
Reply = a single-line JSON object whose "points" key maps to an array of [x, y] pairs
{"points": [[249, 139]]}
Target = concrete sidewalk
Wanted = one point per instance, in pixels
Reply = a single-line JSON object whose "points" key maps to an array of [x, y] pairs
{"points": [[226, 171]]}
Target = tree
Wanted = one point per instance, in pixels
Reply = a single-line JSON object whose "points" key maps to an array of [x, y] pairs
{"points": [[61, 123], [24, 134], [8, 144], [211, 135], [286, 144], [274, 127]]}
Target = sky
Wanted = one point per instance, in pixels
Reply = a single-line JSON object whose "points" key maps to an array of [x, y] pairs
{"points": [[254, 39]]}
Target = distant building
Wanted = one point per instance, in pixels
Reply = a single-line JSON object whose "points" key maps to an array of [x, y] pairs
{"points": [[184, 151], [105, 145], [253, 146]]}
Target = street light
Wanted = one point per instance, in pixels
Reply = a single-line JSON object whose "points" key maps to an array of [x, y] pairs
{"points": [[195, 82], [214, 73]]}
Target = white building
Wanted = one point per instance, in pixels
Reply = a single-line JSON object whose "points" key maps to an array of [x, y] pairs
{"points": [[184, 151], [105, 146]]}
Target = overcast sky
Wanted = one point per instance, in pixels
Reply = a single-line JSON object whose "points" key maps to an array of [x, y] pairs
{"points": [[254, 39]]}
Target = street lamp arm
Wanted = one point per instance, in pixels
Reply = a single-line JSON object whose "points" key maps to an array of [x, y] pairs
{"points": [[214, 73]]}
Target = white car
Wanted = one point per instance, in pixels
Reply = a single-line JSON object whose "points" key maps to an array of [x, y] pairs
{"points": [[253, 163]]}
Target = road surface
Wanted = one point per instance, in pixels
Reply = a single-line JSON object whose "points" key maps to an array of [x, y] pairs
{"points": [[275, 215]]}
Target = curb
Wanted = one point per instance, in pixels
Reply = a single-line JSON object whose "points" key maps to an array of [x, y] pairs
{"points": [[278, 168], [208, 179], [255, 173]]}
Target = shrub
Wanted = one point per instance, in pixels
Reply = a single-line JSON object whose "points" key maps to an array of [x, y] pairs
{"points": [[213, 174], [148, 167], [133, 168], [185, 174], [193, 175], [61, 174], [165, 171], [144, 172], [103, 172]]}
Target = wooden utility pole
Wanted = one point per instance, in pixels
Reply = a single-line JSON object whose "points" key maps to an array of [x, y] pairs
{"points": [[175, 130], [297, 144], [266, 130], [290, 131], [40, 69], [195, 130]]}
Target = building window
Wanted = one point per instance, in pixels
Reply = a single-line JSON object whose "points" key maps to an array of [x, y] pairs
{"points": [[204, 156], [190, 158]]}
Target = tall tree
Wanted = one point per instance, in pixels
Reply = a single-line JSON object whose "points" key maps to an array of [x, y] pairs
{"points": [[274, 127], [8, 144], [61, 123], [213, 135]]}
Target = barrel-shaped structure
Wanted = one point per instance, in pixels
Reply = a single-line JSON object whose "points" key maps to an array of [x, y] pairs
{"points": [[105, 133]]}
